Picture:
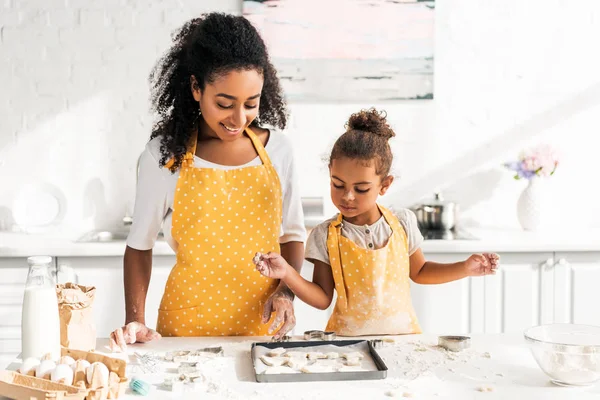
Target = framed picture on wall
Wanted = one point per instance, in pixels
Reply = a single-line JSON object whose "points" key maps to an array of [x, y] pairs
{"points": [[350, 51]]}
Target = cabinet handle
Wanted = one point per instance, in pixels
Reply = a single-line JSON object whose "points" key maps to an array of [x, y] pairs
{"points": [[549, 263], [562, 262], [66, 274]]}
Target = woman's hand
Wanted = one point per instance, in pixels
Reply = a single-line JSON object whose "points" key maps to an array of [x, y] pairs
{"points": [[282, 304], [271, 265], [131, 333], [482, 264]]}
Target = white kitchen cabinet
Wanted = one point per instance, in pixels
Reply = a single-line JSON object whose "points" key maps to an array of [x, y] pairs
{"points": [[542, 288], [13, 274], [520, 294], [449, 308], [106, 274], [577, 287]]}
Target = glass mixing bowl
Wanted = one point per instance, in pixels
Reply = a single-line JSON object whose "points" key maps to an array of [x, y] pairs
{"points": [[568, 353]]}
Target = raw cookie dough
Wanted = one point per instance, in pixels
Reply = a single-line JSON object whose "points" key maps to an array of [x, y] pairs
{"points": [[315, 355], [272, 361], [354, 354], [353, 361], [276, 352], [296, 363], [317, 369], [332, 355], [296, 354]]}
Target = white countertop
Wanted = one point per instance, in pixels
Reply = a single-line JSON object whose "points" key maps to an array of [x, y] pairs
{"points": [[496, 240], [418, 369]]}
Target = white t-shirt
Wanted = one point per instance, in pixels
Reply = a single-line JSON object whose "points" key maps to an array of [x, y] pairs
{"points": [[373, 236], [156, 190]]}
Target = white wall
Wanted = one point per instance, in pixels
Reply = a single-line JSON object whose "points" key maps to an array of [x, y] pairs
{"points": [[74, 106]]}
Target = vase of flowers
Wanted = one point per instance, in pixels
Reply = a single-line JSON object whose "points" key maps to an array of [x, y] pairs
{"points": [[535, 165]]}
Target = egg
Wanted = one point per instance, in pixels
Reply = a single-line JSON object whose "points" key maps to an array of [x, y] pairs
{"points": [[44, 369], [102, 370], [29, 365], [62, 374], [66, 360], [85, 364]]}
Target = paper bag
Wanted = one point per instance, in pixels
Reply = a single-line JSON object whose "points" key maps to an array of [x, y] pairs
{"points": [[77, 327]]}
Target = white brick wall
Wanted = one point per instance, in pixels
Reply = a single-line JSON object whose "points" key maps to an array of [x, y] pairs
{"points": [[73, 109]]}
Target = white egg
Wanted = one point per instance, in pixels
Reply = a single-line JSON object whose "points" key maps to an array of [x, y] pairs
{"points": [[103, 373], [66, 360], [62, 372], [44, 369], [85, 364], [29, 365]]}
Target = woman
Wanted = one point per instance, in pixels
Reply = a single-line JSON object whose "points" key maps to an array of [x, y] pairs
{"points": [[222, 186]]}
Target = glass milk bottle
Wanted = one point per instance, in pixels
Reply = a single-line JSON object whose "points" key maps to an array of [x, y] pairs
{"points": [[40, 324]]}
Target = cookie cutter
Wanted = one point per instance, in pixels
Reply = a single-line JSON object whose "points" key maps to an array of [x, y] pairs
{"points": [[284, 338], [454, 343], [322, 335]]}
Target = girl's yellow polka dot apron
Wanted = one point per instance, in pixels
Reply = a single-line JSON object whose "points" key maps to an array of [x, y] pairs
{"points": [[221, 218], [373, 290]]}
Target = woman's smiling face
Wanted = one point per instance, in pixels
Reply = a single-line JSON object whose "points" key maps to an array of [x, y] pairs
{"points": [[230, 103]]}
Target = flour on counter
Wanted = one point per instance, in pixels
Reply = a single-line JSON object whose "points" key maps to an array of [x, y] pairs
{"points": [[415, 359]]}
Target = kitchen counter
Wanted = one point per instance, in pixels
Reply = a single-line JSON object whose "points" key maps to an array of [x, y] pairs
{"points": [[497, 240], [495, 367]]}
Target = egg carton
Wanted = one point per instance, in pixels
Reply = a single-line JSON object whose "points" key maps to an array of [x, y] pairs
{"points": [[18, 386]]}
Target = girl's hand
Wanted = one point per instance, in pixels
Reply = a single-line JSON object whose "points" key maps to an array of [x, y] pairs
{"points": [[482, 264], [271, 265]]}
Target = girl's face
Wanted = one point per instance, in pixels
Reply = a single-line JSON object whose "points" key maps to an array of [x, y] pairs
{"points": [[229, 104], [355, 186]]}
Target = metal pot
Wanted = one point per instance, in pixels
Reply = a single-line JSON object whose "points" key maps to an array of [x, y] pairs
{"points": [[437, 214]]}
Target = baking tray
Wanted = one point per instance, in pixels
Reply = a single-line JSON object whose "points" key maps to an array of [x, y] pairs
{"points": [[381, 372]]}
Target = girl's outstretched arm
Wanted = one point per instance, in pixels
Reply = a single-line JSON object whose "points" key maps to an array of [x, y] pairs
{"points": [[318, 293], [429, 272]]}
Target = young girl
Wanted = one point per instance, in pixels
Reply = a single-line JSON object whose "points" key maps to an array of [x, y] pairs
{"points": [[220, 185], [366, 252]]}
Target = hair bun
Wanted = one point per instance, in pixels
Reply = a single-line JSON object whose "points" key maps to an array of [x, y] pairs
{"points": [[371, 121]]}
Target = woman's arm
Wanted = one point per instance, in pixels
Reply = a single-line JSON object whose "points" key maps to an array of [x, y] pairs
{"points": [[429, 272], [137, 269]]}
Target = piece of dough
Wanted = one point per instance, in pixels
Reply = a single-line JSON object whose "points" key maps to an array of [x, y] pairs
{"points": [[332, 355], [315, 355], [272, 361], [296, 354], [353, 361], [276, 352], [296, 363], [317, 369], [330, 363], [354, 354]]}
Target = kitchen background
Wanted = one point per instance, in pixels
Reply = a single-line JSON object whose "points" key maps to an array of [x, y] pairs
{"points": [[74, 119], [74, 110]]}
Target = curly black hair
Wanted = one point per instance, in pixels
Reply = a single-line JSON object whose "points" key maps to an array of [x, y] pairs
{"points": [[208, 47], [366, 138]]}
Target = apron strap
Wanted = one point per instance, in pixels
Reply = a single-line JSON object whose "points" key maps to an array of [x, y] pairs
{"points": [[188, 158], [258, 146], [335, 260], [393, 222]]}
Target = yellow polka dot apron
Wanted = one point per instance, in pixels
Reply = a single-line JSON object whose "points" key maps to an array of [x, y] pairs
{"points": [[373, 290], [221, 218]]}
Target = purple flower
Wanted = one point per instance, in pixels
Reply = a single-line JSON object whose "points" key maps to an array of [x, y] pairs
{"points": [[539, 161]]}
